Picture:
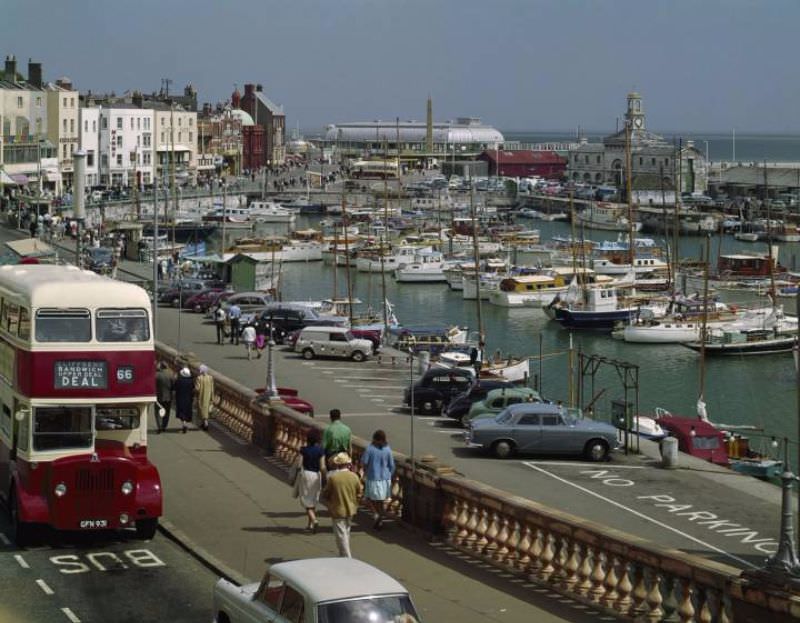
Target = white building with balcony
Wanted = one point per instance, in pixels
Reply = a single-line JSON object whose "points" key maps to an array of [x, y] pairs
{"points": [[175, 140], [62, 130], [125, 145]]}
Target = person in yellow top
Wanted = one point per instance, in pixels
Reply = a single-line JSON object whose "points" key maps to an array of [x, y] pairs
{"points": [[204, 393], [341, 494]]}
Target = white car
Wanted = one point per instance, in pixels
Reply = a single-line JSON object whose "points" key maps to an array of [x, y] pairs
{"points": [[316, 590], [316, 341]]}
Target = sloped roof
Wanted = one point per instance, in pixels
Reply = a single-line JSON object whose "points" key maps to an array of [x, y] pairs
{"points": [[271, 106], [522, 156]]}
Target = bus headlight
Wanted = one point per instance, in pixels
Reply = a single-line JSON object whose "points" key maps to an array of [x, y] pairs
{"points": [[60, 490], [127, 487]]}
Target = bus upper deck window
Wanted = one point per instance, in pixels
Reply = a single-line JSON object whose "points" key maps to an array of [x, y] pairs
{"points": [[63, 325], [122, 325]]}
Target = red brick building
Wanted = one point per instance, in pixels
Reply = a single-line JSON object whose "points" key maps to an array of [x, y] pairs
{"points": [[524, 163]]}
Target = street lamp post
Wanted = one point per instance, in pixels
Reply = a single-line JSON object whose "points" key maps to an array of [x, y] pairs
{"points": [[271, 390]]}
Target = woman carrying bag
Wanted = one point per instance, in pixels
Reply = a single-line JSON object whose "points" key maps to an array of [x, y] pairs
{"points": [[310, 468]]}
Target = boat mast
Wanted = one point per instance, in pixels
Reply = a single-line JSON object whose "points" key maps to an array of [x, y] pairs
{"points": [[628, 173], [772, 291], [347, 263], [677, 185], [382, 240], [701, 404], [476, 259]]}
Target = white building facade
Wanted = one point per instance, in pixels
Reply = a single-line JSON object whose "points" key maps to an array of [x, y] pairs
{"points": [[125, 146], [175, 140]]}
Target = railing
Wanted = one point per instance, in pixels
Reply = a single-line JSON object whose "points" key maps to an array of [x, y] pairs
{"points": [[626, 576]]}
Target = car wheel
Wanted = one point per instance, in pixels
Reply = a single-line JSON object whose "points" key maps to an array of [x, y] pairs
{"points": [[308, 353], [358, 355], [427, 407], [596, 450], [146, 528], [176, 302], [502, 449]]}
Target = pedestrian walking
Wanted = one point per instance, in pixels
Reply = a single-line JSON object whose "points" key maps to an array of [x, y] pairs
{"points": [[249, 339], [341, 494], [184, 396], [311, 468], [165, 386], [337, 437], [234, 315], [204, 391], [378, 462], [219, 320]]}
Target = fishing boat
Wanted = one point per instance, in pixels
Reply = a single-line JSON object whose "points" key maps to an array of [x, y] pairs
{"points": [[514, 369], [745, 342], [427, 266], [606, 216], [385, 258], [584, 307], [528, 290]]}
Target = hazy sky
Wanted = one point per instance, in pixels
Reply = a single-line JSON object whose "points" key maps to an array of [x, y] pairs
{"points": [[701, 65]]}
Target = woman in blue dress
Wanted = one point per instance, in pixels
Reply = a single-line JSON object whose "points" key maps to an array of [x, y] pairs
{"points": [[309, 477], [378, 462]]}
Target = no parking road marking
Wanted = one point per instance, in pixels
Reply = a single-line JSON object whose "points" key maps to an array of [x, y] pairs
{"points": [[763, 546]]}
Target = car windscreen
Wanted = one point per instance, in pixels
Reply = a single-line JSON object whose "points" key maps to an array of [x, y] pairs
{"points": [[386, 609]]}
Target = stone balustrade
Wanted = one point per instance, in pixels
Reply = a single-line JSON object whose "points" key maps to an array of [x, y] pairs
{"points": [[623, 575]]}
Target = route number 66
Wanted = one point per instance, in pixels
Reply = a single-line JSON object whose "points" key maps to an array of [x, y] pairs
{"points": [[125, 374]]}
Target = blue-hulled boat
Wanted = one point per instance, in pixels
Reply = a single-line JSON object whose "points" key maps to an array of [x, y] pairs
{"points": [[595, 307]]}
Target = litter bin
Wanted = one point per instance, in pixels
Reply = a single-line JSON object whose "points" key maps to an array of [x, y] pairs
{"points": [[669, 453]]}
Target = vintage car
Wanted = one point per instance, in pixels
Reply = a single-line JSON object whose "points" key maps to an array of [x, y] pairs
{"points": [[433, 390], [316, 590], [460, 405], [497, 400], [542, 428]]}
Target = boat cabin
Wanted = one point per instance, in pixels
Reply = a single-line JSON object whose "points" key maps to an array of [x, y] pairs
{"points": [[531, 283], [746, 265], [697, 437]]}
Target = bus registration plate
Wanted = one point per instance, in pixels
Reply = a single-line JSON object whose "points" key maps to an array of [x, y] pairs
{"points": [[94, 523]]}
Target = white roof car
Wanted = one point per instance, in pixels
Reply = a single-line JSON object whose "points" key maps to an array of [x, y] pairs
{"points": [[316, 590]]}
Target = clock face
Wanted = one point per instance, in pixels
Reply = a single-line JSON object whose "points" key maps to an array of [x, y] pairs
{"points": [[637, 122]]}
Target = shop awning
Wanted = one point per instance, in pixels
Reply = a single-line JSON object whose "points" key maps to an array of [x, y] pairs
{"points": [[52, 176], [20, 178]]}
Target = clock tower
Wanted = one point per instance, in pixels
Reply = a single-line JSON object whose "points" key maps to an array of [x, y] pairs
{"points": [[635, 114]]}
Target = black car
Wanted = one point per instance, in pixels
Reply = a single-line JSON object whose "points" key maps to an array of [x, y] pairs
{"points": [[99, 259], [434, 390], [284, 319], [459, 406]]}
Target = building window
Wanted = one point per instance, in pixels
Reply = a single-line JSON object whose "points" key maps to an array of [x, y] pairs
{"points": [[599, 158], [72, 102], [666, 162], [146, 140], [191, 121], [119, 140], [138, 123], [19, 102], [146, 159], [133, 156], [94, 125], [119, 160], [90, 158], [190, 137], [179, 121], [641, 161], [162, 121], [119, 123], [38, 126], [146, 123], [131, 123], [104, 160], [85, 125], [65, 102], [162, 137], [64, 152], [65, 126], [38, 101], [72, 125]]}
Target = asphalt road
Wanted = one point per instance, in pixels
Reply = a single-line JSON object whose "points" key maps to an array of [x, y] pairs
{"points": [[712, 512], [101, 578]]}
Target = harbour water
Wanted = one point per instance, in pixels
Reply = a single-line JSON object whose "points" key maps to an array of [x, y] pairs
{"points": [[759, 391]]}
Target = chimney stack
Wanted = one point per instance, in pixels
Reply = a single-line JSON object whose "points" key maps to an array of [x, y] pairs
{"points": [[11, 68], [258, 88], [35, 74]]}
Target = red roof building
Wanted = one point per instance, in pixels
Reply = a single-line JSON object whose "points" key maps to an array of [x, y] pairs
{"points": [[524, 163]]}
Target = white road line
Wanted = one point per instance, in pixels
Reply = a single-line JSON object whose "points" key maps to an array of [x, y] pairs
{"points": [[378, 400], [378, 414], [369, 388], [4, 539], [430, 418], [43, 585], [578, 464], [21, 561], [640, 515], [70, 615]]}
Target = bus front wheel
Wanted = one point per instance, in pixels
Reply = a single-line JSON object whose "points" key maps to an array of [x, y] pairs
{"points": [[146, 528]]}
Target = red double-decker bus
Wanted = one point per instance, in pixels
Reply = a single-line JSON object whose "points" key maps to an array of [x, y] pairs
{"points": [[77, 385]]}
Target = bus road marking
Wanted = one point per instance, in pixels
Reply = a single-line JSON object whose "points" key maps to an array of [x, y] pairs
{"points": [[4, 539], [640, 515], [70, 615], [21, 561], [43, 585]]}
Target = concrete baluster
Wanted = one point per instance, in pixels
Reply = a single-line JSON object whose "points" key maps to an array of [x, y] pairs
{"points": [[501, 553], [481, 541], [571, 566], [598, 578], [449, 518], [472, 527], [705, 600], [624, 588], [611, 581], [640, 606], [654, 599], [547, 556], [537, 547], [559, 560], [462, 520], [523, 549], [584, 586], [512, 544], [492, 530], [686, 609], [723, 613]]}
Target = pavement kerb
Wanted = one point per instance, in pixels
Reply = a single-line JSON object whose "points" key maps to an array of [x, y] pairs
{"points": [[208, 560]]}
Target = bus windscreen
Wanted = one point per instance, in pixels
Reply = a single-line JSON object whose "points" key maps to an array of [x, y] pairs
{"points": [[122, 325], [59, 428]]}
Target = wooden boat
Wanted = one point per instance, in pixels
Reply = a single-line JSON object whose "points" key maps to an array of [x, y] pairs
{"points": [[528, 290], [514, 369], [746, 342]]}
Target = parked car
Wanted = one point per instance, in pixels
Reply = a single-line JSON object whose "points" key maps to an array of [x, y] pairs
{"points": [[542, 428], [248, 301], [315, 590], [458, 407], [285, 318], [291, 338], [177, 292], [99, 259], [201, 301], [332, 342], [434, 390], [497, 400], [290, 397]]}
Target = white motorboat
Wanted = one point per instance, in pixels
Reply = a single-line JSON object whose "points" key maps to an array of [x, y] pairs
{"points": [[514, 369], [370, 261], [527, 290], [606, 216], [426, 267], [270, 212]]}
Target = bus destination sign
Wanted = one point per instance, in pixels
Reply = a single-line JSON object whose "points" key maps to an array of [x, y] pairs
{"points": [[81, 375]]}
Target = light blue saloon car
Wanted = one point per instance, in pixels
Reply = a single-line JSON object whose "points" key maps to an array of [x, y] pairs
{"points": [[542, 428]]}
